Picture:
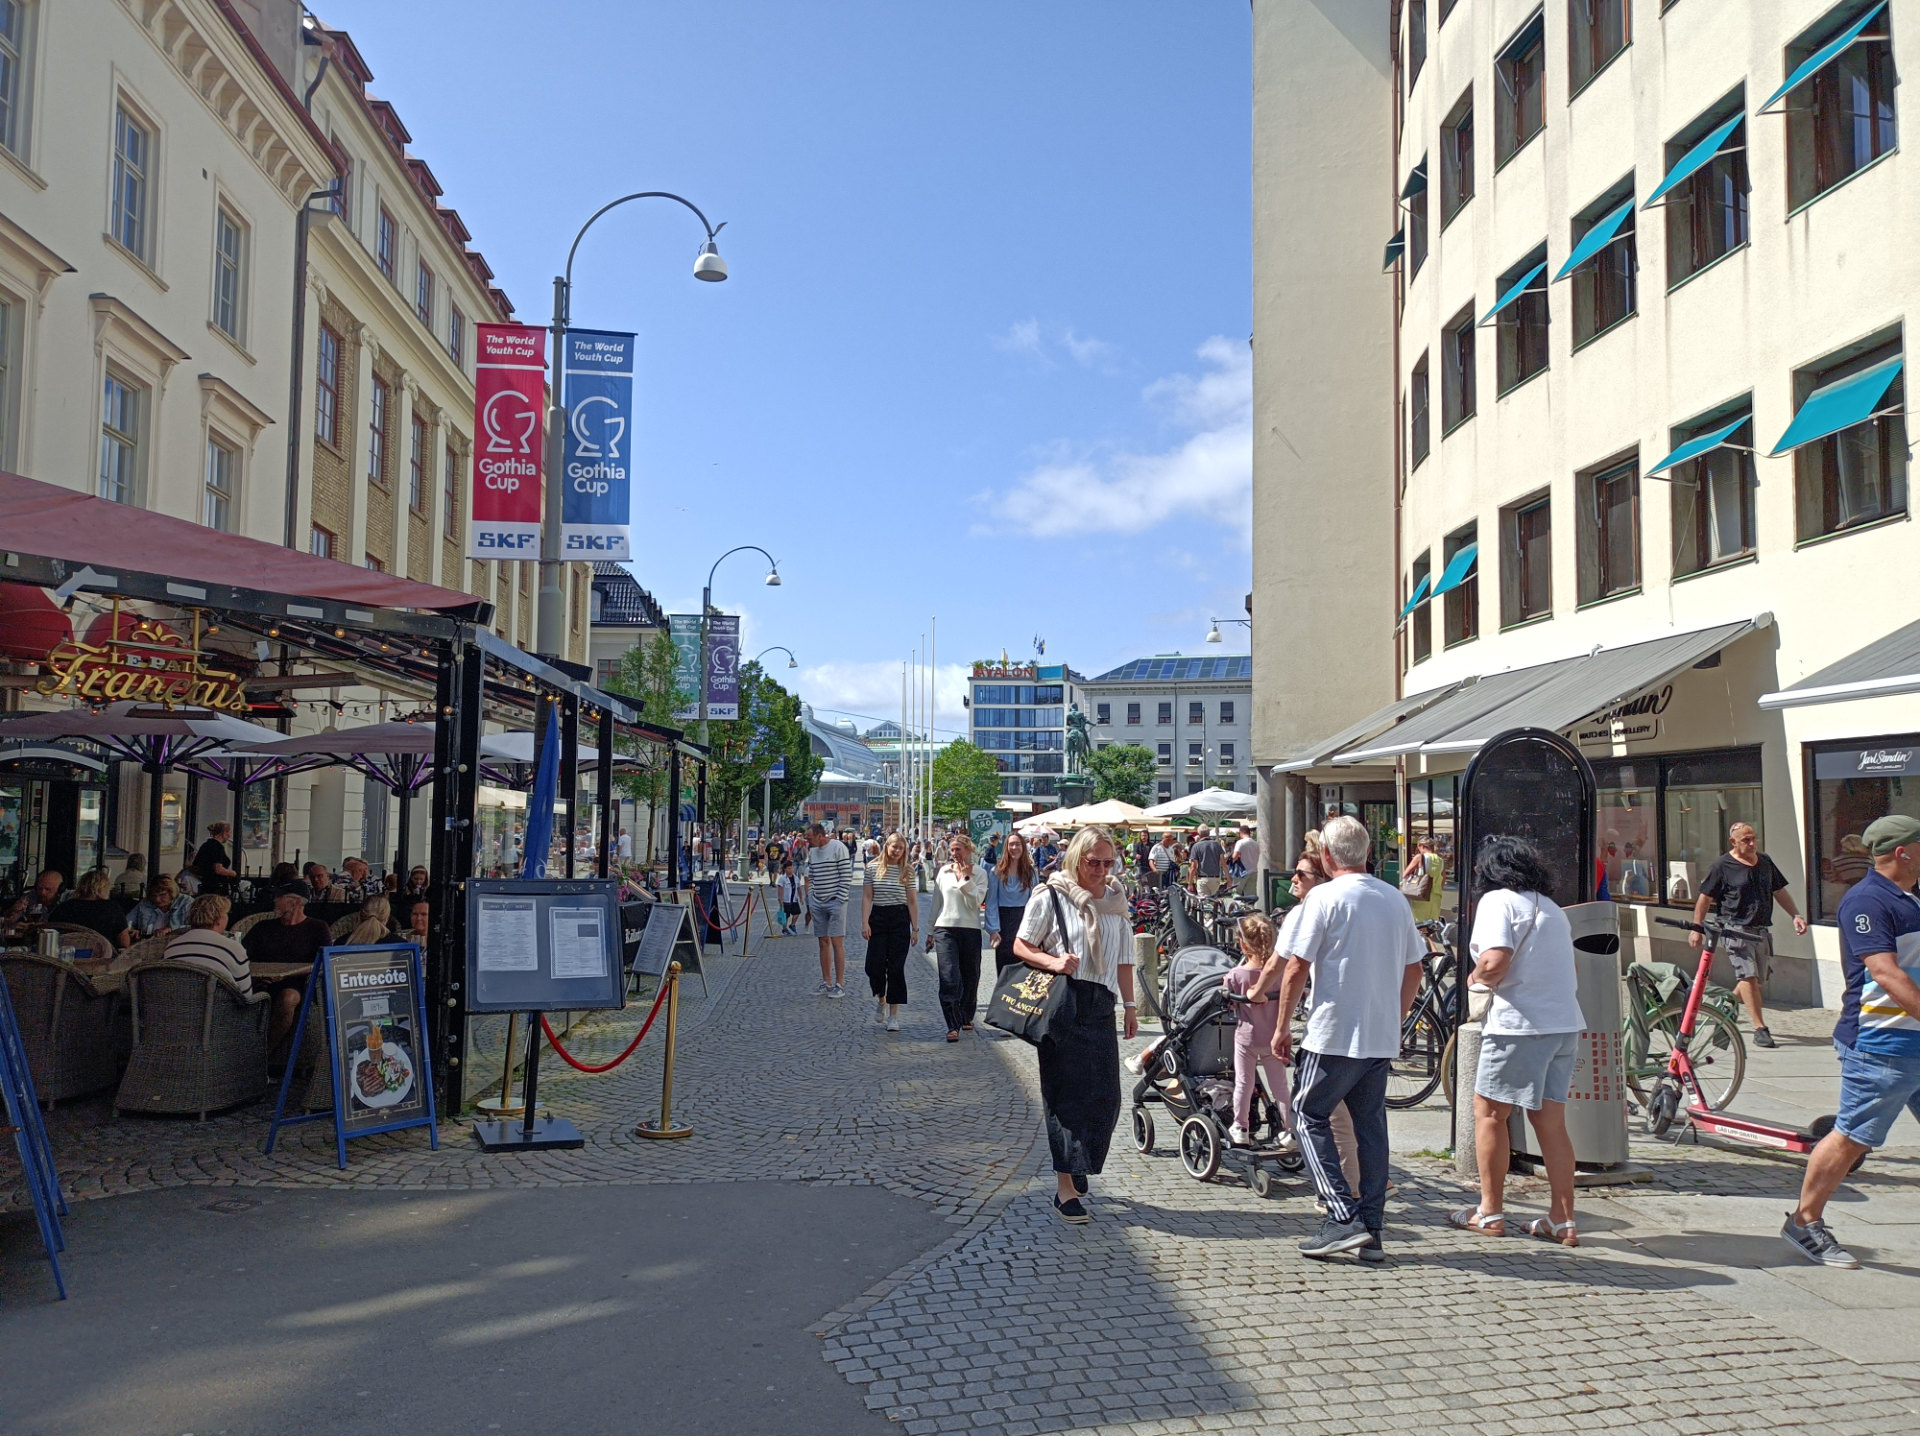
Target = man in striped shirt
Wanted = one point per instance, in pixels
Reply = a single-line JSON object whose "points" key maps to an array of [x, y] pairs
{"points": [[829, 875]]}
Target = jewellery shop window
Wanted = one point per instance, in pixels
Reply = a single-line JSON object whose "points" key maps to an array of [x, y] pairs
{"points": [[1659, 823], [1852, 786]]}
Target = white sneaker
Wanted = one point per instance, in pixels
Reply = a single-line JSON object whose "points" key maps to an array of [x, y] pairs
{"points": [[879, 1009], [823, 989], [838, 991], [1134, 1065], [1240, 1136], [893, 1023]]}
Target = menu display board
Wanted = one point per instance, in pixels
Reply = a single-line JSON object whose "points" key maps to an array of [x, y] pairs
{"points": [[544, 945]]}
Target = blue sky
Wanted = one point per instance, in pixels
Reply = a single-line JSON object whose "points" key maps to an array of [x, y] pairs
{"points": [[983, 352]]}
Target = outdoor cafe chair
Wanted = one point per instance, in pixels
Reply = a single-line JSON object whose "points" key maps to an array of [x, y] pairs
{"points": [[66, 1025], [199, 1043], [87, 944], [248, 923]]}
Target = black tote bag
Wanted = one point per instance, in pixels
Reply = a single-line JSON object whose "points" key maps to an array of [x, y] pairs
{"points": [[1027, 1002]]}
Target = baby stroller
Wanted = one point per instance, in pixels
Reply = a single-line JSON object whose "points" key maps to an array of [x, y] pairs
{"points": [[1191, 1075]]}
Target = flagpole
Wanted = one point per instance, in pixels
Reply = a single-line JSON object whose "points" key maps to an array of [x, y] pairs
{"points": [[933, 700]]}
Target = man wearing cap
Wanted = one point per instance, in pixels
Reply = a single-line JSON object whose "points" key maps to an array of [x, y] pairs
{"points": [[1878, 1034], [1744, 884]]}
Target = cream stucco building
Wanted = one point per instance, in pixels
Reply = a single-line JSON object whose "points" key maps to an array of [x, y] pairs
{"points": [[1642, 419]]}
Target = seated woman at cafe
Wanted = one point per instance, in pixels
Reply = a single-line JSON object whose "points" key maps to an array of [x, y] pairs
{"points": [[418, 882], [164, 909], [92, 905], [376, 923], [419, 922], [206, 943], [132, 881]]}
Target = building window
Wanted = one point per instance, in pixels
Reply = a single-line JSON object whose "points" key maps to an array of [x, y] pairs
{"points": [[223, 469], [229, 271], [1608, 531], [1421, 420], [1416, 40], [1456, 371], [450, 500], [326, 406], [423, 293], [374, 564], [1103, 712], [1166, 712], [1597, 30], [320, 542], [1713, 496], [1852, 786], [1707, 212], [1858, 475], [1462, 601], [1164, 756], [1526, 561], [1661, 822], [1522, 326], [1165, 790], [1226, 711], [1519, 98], [132, 161], [377, 432], [342, 201], [13, 76], [417, 467], [456, 335], [1196, 713], [1604, 288], [121, 416], [1133, 715], [1193, 755], [1841, 120], [1417, 219], [1193, 786], [1456, 159], [1422, 618], [386, 242], [1226, 755]]}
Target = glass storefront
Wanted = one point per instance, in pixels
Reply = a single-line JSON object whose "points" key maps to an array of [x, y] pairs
{"points": [[1851, 785], [1430, 815], [1659, 822]]}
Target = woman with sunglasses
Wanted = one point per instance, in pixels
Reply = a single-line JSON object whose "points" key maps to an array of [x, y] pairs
{"points": [[1077, 925]]}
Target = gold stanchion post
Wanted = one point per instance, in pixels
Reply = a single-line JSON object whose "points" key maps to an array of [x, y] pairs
{"points": [[504, 1105], [665, 1128]]}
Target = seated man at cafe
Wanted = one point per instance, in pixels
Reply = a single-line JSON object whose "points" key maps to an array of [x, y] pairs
{"points": [[360, 882], [292, 937], [92, 906], [319, 880], [34, 906], [208, 945]]}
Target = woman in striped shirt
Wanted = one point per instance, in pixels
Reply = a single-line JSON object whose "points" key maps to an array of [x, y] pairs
{"points": [[889, 921]]}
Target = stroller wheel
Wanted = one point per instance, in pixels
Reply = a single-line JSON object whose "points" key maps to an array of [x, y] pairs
{"points": [[1290, 1161], [1143, 1129], [1200, 1148], [1261, 1180]]}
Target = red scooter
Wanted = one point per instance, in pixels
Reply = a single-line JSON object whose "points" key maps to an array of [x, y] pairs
{"points": [[1663, 1105]]}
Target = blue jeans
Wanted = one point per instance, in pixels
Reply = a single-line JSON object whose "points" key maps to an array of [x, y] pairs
{"points": [[1874, 1088], [1361, 1082]]}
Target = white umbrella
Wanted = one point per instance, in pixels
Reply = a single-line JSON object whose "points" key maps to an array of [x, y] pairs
{"points": [[1208, 803], [1109, 814]]}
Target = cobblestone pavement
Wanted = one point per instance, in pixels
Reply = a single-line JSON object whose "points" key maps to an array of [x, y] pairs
{"points": [[1182, 1307]]}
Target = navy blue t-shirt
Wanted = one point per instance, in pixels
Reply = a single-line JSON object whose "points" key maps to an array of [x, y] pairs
{"points": [[1876, 915]]}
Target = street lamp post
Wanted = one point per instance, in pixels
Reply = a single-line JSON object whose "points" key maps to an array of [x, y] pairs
{"points": [[1213, 633], [706, 603], [550, 619], [766, 784]]}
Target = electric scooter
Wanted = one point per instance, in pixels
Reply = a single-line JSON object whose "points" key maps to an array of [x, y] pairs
{"points": [[1663, 1105]]}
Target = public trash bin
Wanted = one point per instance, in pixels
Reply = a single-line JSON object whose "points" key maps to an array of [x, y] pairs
{"points": [[1597, 1102]]}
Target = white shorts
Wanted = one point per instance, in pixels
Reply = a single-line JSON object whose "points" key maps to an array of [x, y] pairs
{"points": [[1526, 1071]]}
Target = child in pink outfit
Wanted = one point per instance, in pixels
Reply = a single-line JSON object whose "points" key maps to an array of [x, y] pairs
{"points": [[1253, 1039]]}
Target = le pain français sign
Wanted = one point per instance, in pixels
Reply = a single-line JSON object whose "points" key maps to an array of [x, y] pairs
{"points": [[125, 656]]}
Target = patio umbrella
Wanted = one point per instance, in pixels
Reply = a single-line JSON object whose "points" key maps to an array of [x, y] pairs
{"points": [[1208, 803], [1109, 814]]}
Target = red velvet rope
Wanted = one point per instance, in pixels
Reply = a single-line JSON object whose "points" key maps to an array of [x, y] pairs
{"points": [[579, 1066], [701, 912]]}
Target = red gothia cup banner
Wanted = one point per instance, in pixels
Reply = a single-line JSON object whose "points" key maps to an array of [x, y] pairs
{"points": [[509, 400]]}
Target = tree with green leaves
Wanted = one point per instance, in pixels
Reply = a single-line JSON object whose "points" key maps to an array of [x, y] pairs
{"points": [[964, 778], [745, 750], [1123, 772], [647, 672]]}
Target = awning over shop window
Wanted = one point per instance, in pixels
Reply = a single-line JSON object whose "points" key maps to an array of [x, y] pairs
{"points": [[1368, 727], [1396, 247], [1513, 293], [1459, 569], [1693, 161], [48, 521], [1823, 57], [1881, 669], [1839, 405], [1549, 695], [1416, 181], [1596, 239], [1413, 602], [1694, 448]]}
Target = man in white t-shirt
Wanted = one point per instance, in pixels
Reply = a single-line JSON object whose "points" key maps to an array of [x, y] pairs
{"points": [[1246, 858], [1358, 940]]}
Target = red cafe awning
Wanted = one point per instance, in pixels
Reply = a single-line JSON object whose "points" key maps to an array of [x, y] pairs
{"points": [[48, 521]]}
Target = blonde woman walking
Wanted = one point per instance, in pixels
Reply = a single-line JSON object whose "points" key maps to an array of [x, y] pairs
{"points": [[889, 921], [962, 885]]}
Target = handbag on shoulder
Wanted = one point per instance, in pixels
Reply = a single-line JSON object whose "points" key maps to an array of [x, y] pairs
{"points": [[1026, 1002], [1417, 884]]}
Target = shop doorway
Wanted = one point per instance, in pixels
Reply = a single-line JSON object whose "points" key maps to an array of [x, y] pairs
{"points": [[46, 823]]}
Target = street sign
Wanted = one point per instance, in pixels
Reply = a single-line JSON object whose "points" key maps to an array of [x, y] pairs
{"points": [[597, 494], [509, 387], [778, 771]]}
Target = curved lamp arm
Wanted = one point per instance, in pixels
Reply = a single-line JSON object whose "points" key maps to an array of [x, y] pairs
{"points": [[793, 662], [711, 229], [772, 562]]}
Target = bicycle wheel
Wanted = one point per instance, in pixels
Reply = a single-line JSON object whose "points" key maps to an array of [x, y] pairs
{"points": [[1416, 1072], [1718, 1053], [1449, 1059]]}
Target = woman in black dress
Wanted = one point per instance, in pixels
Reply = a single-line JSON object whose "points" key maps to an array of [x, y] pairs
{"points": [[213, 863]]}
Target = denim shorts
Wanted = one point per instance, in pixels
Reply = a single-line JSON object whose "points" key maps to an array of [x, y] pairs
{"points": [[1874, 1087], [1525, 1071]]}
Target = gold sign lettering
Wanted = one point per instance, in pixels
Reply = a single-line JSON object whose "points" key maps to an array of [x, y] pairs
{"points": [[150, 664]]}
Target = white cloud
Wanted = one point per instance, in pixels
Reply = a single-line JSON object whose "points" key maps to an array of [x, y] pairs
{"points": [[870, 692], [1023, 338], [1029, 339], [1088, 353], [1207, 475]]}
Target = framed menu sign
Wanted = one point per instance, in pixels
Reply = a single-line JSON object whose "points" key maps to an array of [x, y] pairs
{"points": [[544, 945], [372, 1003]]}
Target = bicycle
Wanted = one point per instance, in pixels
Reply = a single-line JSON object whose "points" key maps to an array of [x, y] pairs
{"points": [[1426, 1034], [1656, 1005]]}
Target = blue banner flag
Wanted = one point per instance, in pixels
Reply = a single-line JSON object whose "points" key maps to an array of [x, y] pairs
{"points": [[546, 782], [597, 381]]}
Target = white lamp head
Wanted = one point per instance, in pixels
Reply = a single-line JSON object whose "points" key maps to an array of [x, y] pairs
{"points": [[710, 266], [1213, 634], [773, 578], [793, 662]]}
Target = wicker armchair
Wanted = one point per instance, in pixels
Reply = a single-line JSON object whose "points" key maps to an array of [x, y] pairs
{"points": [[199, 1043], [82, 943], [342, 926], [147, 949], [65, 1023], [248, 923]]}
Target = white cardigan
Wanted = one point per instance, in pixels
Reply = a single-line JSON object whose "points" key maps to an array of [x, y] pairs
{"points": [[960, 901]]}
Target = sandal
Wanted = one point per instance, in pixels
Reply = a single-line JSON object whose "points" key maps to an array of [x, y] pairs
{"points": [[1549, 1230], [1472, 1219], [953, 1037]]}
